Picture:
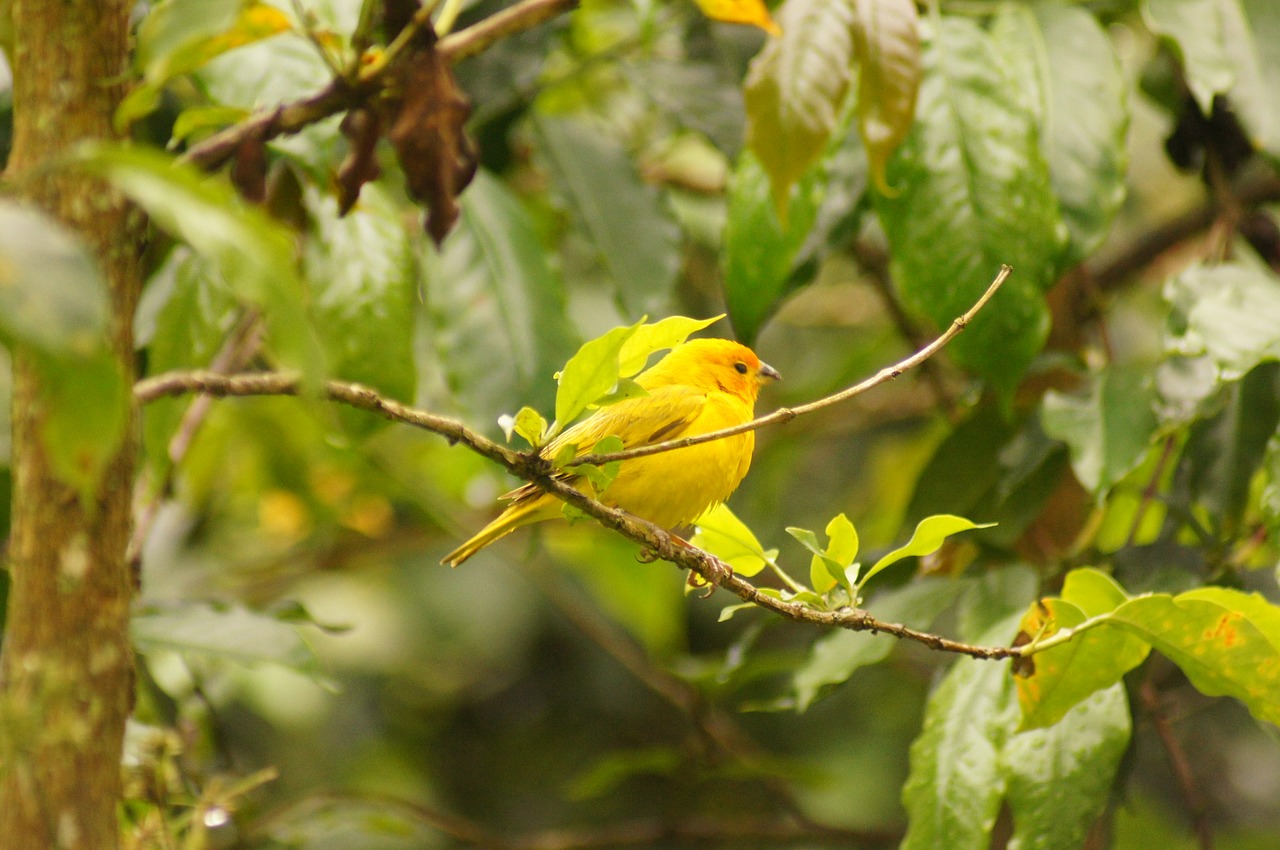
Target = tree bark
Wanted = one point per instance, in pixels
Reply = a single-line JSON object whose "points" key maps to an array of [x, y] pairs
{"points": [[66, 675]]}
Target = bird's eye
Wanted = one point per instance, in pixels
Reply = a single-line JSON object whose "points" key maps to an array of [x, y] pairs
{"points": [[741, 367]]}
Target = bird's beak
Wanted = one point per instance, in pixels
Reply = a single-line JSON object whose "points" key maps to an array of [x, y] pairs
{"points": [[768, 372]]}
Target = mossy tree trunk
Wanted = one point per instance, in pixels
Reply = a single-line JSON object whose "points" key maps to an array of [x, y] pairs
{"points": [[66, 670]]}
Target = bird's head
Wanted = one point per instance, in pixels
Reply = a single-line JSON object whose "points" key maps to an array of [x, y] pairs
{"points": [[712, 364]]}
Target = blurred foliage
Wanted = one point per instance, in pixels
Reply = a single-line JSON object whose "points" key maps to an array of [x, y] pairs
{"points": [[310, 677]]}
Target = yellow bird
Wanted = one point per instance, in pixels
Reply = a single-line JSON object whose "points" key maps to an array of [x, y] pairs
{"points": [[701, 386]]}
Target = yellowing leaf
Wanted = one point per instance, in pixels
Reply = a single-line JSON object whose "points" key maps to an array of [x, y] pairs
{"points": [[721, 533], [751, 12], [887, 41]]}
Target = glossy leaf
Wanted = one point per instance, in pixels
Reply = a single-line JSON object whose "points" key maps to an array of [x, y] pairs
{"points": [[760, 249], [361, 277], [589, 374], [649, 339], [928, 538], [973, 192], [887, 41], [795, 88], [1107, 426], [1227, 312], [956, 783], [1064, 675], [1225, 641], [1195, 29], [1072, 75], [634, 237], [720, 532], [1059, 779], [497, 308]]}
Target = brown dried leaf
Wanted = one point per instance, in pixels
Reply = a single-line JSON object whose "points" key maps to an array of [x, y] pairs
{"points": [[362, 127], [427, 132]]}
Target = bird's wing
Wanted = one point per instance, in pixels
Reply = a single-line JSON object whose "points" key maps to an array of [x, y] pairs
{"points": [[664, 414]]}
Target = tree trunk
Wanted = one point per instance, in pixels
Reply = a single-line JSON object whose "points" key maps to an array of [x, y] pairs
{"points": [[66, 679]]}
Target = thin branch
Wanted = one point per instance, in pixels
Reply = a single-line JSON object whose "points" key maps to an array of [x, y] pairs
{"points": [[536, 469], [340, 95], [786, 414], [1195, 802]]}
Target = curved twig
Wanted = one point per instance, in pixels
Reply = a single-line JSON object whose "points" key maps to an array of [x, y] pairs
{"points": [[786, 414]]}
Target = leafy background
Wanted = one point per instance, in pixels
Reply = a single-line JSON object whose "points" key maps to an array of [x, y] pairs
{"points": [[311, 677]]}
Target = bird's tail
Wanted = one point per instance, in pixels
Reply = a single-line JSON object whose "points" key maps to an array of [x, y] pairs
{"points": [[508, 521]]}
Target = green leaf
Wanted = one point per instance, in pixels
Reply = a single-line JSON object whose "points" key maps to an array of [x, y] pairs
{"points": [[836, 656], [180, 36], [1059, 780], [759, 248], [1194, 28], [1252, 29], [1226, 312], [52, 296], [1069, 66], [973, 193], [1223, 453], [658, 336], [887, 41], [1226, 642], [720, 532], [362, 282], [528, 423], [496, 306], [633, 234], [1063, 676], [358, 822], [795, 87], [827, 569], [601, 476], [184, 316], [589, 374], [253, 252], [928, 538], [1107, 426], [226, 633], [956, 783]]}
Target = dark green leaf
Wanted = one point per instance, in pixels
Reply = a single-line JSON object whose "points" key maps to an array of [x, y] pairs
{"points": [[1069, 68], [361, 277], [953, 792], [1195, 30], [795, 88], [496, 305], [973, 193], [759, 249], [1108, 426], [1224, 452], [1059, 779], [633, 235]]}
